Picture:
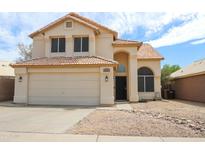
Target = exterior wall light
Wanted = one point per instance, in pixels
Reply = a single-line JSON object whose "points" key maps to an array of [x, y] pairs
{"points": [[106, 78], [20, 78]]}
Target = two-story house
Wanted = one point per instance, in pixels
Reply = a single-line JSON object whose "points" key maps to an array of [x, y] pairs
{"points": [[76, 61]]}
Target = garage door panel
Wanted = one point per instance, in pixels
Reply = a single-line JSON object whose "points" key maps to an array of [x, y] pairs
{"points": [[64, 92], [63, 100], [66, 84], [63, 76], [64, 88]]}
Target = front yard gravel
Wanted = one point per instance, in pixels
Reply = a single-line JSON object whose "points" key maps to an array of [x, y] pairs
{"points": [[135, 123]]}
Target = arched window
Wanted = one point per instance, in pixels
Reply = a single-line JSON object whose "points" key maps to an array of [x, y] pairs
{"points": [[121, 68], [145, 80]]}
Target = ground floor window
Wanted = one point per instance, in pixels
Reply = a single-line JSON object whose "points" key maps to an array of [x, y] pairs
{"points": [[145, 80]]}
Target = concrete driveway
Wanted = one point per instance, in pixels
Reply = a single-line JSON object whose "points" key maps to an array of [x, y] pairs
{"points": [[39, 119]]}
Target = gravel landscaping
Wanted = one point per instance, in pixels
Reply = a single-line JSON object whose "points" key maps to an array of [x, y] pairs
{"points": [[191, 111], [157, 118]]}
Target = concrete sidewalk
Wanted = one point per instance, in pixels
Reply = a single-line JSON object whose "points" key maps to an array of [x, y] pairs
{"points": [[49, 137]]}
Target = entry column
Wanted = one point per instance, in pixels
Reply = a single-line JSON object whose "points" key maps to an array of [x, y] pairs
{"points": [[106, 86], [133, 80]]}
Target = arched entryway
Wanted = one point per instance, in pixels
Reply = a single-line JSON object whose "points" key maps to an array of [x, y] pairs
{"points": [[121, 76]]}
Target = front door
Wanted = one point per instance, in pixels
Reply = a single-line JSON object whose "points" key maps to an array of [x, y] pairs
{"points": [[121, 88]]}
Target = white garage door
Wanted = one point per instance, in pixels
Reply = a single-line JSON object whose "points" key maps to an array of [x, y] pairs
{"points": [[64, 88]]}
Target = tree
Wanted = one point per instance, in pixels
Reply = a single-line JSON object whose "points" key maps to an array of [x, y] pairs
{"points": [[24, 51], [166, 71]]}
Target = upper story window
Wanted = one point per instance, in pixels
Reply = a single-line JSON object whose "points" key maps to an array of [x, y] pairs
{"points": [[58, 45], [81, 44], [69, 24]]}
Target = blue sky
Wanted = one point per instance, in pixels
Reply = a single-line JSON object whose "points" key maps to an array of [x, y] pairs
{"points": [[179, 37]]}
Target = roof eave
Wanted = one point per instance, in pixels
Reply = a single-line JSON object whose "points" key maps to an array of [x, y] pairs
{"points": [[188, 75], [99, 25], [58, 21], [62, 65], [126, 45], [151, 58]]}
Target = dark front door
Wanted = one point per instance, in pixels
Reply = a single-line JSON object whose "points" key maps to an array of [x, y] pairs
{"points": [[121, 87]]}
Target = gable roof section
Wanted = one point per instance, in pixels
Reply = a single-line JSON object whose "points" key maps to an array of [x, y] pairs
{"points": [[67, 61], [196, 68], [74, 16], [93, 23], [146, 52]]}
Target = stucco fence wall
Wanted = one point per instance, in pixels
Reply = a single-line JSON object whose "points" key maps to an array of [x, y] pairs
{"points": [[6, 88], [190, 88]]}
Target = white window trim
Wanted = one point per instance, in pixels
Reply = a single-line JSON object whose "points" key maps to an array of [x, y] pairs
{"points": [[68, 27], [81, 43], [58, 50]]}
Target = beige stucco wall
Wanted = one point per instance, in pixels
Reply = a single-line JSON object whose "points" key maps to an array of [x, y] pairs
{"points": [[106, 87], [104, 46], [38, 46], [21, 86], [100, 45], [154, 65], [65, 84]]}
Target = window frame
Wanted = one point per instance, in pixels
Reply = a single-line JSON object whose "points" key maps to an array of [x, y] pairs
{"points": [[120, 67], [58, 45], [81, 44], [144, 80], [68, 27]]}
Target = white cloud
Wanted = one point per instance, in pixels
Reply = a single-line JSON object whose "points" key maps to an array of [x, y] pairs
{"points": [[127, 23], [15, 28], [191, 30], [198, 42]]}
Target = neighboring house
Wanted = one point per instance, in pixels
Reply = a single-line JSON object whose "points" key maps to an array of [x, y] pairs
{"points": [[189, 82], [6, 81], [76, 61]]}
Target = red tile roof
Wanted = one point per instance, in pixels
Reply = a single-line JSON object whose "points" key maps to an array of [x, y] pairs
{"points": [[66, 61], [87, 22], [92, 22], [146, 51], [121, 42]]}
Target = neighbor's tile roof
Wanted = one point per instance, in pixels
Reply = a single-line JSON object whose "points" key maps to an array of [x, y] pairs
{"points": [[76, 17], [146, 51], [5, 69], [196, 68], [66, 61], [121, 42]]}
